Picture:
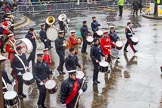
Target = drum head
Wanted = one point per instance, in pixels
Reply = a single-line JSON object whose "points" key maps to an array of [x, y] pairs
{"points": [[114, 52], [52, 33], [90, 39], [99, 32], [119, 44], [134, 39], [27, 76], [9, 95], [79, 74], [104, 64], [50, 84], [26, 45]]}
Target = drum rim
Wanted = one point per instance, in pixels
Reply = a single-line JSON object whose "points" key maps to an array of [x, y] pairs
{"points": [[9, 95], [50, 87]]}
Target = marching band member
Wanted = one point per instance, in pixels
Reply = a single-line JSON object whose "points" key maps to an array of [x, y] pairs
{"points": [[95, 54], [60, 49], [6, 25], [106, 45], [73, 39], [129, 33], [113, 34], [71, 61], [84, 32], [44, 39], [94, 26], [19, 66], [10, 47], [31, 36], [71, 89], [47, 57], [41, 74]]}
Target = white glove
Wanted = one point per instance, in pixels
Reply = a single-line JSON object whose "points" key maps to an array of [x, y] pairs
{"points": [[63, 105], [80, 91], [41, 83], [19, 73]]}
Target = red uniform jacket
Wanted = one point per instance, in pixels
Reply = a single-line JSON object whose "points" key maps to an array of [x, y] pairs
{"points": [[106, 45], [73, 41], [47, 59], [10, 49]]}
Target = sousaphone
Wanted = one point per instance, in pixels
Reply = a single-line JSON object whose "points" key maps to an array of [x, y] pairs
{"points": [[62, 17]]}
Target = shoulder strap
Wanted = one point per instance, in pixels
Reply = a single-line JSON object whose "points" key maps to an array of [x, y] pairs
{"points": [[4, 82], [20, 60]]}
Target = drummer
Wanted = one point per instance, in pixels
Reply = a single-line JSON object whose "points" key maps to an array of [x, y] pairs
{"points": [[95, 54], [41, 74], [73, 39], [113, 34], [19, 66], [71, 61], [106, 45], [71, 89], [129, 33], [84, 32]]}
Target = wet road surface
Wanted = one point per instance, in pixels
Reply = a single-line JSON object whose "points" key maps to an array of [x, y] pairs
{"points": [[135, 82]]}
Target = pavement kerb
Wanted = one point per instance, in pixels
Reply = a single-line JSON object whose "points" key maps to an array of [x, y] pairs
{"points": [[24, 23]]}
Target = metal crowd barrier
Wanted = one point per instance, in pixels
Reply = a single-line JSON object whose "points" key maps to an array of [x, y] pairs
{"points": [[52, 6]]}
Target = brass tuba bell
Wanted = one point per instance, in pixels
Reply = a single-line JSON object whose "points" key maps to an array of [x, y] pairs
{"points": [[62, 17], [50, 20]]}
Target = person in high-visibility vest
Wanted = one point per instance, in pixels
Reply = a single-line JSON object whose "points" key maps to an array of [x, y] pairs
{"points": [[120, 4]]}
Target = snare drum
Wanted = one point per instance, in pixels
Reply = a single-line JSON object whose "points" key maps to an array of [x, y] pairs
{"points": [[99, 33], [119, 45], [134, 40], [11, 98], [51, 86], [28, 78], [104, 66], [114, 52], [89, 39], [79, 74]]}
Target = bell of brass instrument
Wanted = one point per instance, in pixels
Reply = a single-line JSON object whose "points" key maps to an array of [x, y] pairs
{"points": [[50, 20]]}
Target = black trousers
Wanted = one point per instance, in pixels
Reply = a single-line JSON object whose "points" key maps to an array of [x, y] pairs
{"points": [[129, 42], [95, 71], [61, 55], [20, 85], [95, 35], [84, 46], [42, 94], [120, 10], [135, 11], [47, 43], [32, 57]]}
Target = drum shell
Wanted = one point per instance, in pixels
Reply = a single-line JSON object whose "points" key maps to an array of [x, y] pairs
{"points": [[103, 69], [29, 82], [118, 47], [134, 43], [12, 101], [133, 40], [53, 90]]}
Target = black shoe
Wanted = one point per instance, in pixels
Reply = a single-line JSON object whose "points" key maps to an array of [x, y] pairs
{"points": [[118, 58], [98, 81], [24, 96], [125, 51], [135, 51]]}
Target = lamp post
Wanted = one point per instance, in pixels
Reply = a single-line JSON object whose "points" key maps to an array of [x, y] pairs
{"points": [[2, 59]]}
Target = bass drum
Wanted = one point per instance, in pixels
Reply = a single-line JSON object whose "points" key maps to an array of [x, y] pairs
{"points": [[27, 46], [11, 98], [104, 66], [90, 40], [52, 33]]}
